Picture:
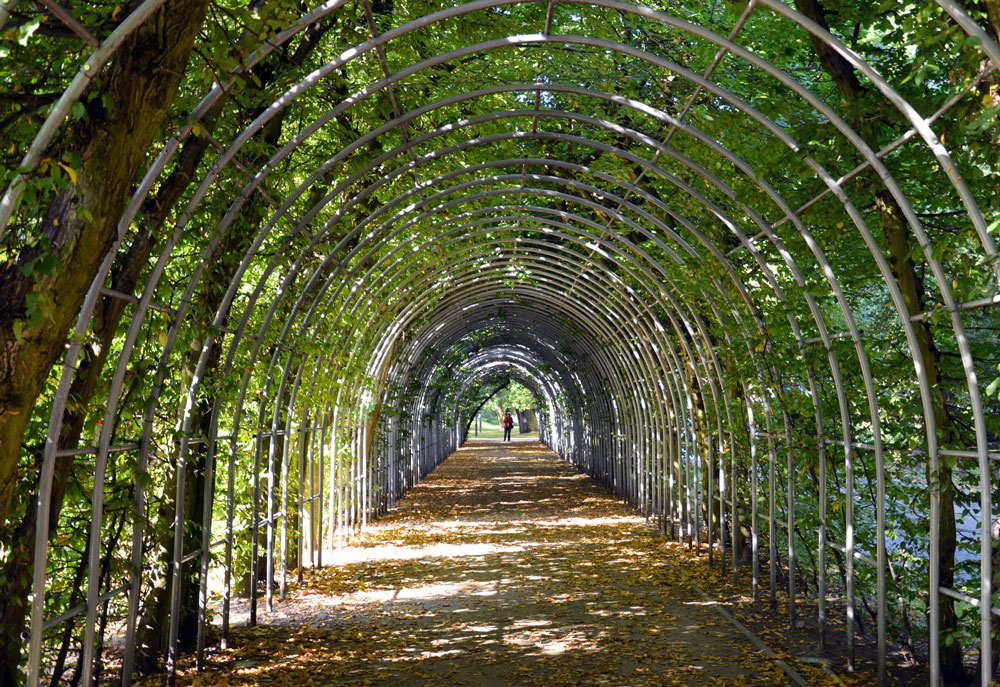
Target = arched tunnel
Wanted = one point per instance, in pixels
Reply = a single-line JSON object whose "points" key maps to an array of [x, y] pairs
{"points": [[269, 259]]}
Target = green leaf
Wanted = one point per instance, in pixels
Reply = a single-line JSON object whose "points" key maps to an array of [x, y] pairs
{"points": [[27, 30], [993, 387]]}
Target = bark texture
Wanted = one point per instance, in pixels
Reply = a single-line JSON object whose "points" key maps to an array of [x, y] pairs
{"points": [[112, 144]]}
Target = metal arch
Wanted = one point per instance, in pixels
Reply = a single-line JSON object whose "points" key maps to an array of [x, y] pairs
{"points": [[449, 243], [974, 409], [527, 374], [499, 369], [606, 376], [510, 88], [596, 354], [418, 365], [467, 325], [474, 6], [530, 355], [566, 380], [534, 293], [882, 525], [558, 363], [244, 318], [718, 253]]}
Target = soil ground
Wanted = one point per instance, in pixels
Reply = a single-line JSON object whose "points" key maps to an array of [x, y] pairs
{"points": [[506, 567]]}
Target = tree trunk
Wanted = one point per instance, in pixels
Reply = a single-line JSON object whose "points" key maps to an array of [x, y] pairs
{"points": [[124, 278], [17, 568], [81, 221], [112, 145], [897, 236]]}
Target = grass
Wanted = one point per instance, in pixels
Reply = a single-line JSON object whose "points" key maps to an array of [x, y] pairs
{"points": [[494, 431]]}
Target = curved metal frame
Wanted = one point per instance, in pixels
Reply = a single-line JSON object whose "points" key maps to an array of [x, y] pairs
{"points": [[671, 327]]}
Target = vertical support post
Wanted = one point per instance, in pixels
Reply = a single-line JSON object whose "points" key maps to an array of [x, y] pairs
{"points": [[772, 525], [320, 491], [286, 468], [821, 563], [849, 550], [301, 539], [135, 566], [206, 544], [790, 507], [734, 506], [255, 517], [227, 583], [754, 529], [271, 510], [711, 500], [176, 565]]}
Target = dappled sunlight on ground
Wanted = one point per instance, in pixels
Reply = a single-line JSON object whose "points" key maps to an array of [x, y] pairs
{"points": [[504, 567]]}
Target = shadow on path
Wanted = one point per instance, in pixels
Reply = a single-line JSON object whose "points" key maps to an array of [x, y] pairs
{"points": [[504, 567]]}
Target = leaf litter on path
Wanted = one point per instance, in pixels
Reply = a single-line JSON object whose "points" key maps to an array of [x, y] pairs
{"points": [[505, 566]]}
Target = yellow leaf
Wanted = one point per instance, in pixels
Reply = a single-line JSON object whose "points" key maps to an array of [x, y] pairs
{"points": [[70, 171]]}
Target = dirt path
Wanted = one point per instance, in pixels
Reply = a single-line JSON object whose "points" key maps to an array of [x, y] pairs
{"points": [[504, 567]]}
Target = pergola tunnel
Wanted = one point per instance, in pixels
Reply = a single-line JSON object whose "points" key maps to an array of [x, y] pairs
{"points": [[262, 264]]}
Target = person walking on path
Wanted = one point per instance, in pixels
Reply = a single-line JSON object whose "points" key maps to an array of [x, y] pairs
{"points": [[508, 425]]}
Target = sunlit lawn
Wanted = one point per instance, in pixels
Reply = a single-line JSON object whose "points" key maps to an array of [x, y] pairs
{"points": [[494, 431]]}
